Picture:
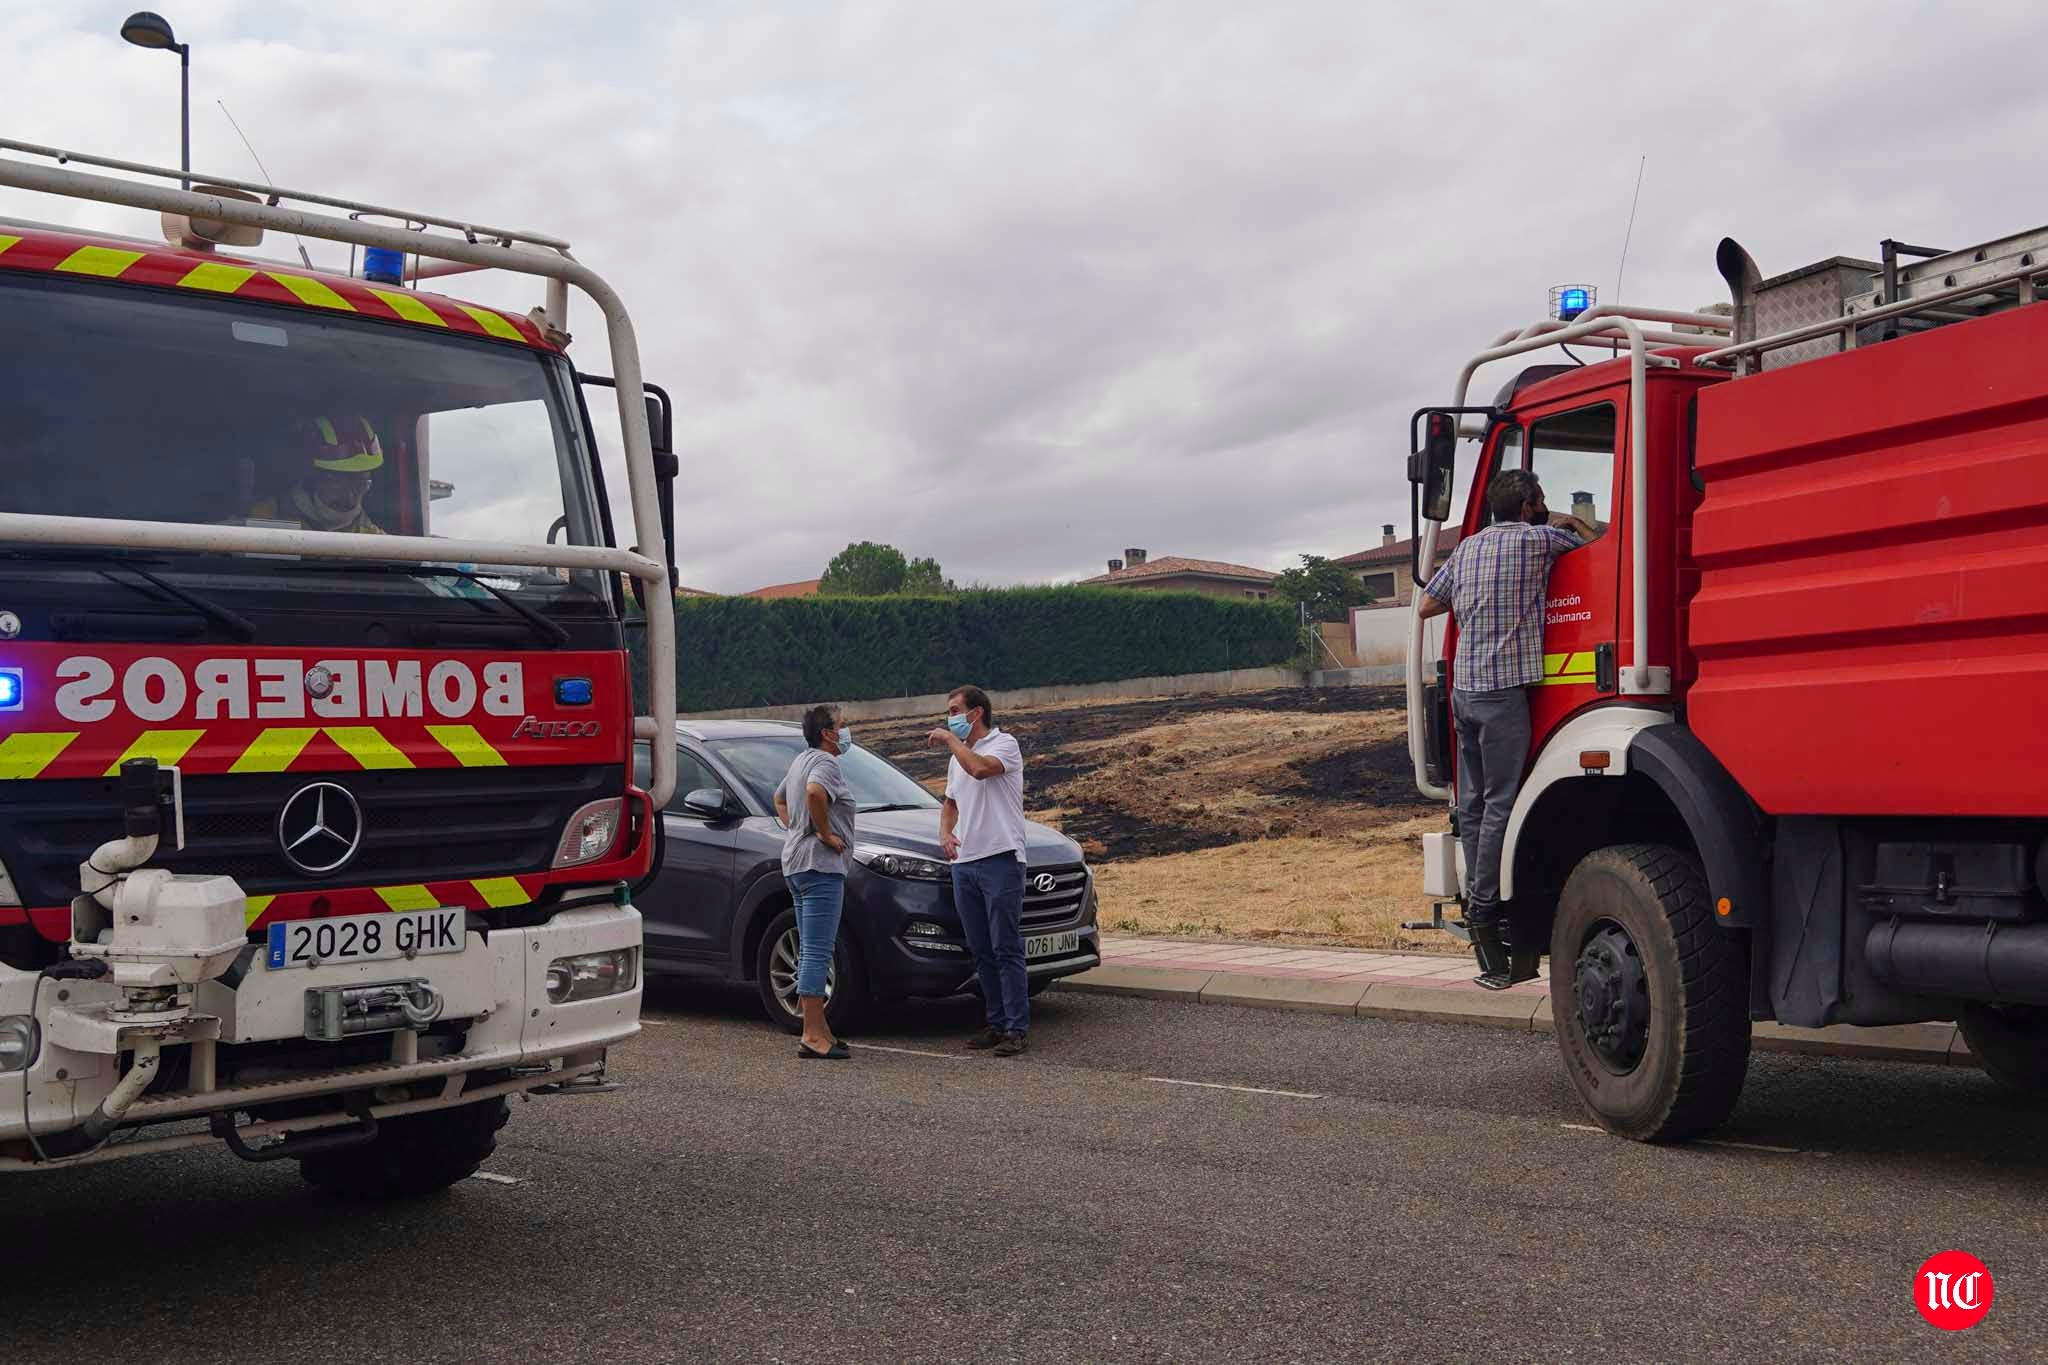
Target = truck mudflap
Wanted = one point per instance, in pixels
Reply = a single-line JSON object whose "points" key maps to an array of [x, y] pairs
{"points": [[508, 1006]]}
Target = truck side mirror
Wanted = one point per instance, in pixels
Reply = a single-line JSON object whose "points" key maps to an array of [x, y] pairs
{"points": [[661, 427], [1438, 464]]}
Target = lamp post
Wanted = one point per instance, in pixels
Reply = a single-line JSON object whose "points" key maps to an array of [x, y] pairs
{"points": [[146, 29]]}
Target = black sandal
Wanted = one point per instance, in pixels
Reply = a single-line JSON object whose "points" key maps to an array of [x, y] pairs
{"points": [[838, 1052]]}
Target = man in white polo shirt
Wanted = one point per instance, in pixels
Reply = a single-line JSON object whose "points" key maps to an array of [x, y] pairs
{"points": [[981, 829]]}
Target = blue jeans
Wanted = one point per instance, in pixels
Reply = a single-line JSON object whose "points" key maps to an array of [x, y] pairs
{"points": [[989, 894], [819, 896]]}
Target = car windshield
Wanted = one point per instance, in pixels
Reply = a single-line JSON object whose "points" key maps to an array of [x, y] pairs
{"points": [[128, 403], [762, 761]]}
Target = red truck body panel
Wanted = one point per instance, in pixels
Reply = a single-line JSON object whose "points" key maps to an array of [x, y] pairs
{"points": [[1870, 629]]}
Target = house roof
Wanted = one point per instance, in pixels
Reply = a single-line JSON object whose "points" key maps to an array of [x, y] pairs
{"points": [[1400, 552], [1175, 566], [806, 587]]}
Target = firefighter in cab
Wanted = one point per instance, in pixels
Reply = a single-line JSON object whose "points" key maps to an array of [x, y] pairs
{"points": [[341, 455]]}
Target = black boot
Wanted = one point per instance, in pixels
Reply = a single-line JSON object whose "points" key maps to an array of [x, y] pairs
{"points": [[1488, 949]]}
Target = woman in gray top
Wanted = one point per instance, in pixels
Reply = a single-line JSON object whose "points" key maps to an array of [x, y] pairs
{"points": [[815, 805]]}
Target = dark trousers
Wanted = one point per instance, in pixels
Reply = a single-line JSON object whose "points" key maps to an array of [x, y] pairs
{"points": [[1493, 746], [989, 894]]}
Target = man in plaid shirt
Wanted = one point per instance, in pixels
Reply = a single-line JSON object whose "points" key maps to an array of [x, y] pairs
{"points": [[1494, 585]]}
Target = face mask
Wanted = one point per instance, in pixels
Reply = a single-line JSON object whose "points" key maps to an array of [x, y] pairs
{"points": [[844, 735], [960, 726]]}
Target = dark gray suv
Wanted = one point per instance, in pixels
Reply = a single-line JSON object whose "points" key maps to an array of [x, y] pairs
{"points": [[716, 907]]}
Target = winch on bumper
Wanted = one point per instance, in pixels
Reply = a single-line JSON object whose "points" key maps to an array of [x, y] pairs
{"points": [[393, 1037]]}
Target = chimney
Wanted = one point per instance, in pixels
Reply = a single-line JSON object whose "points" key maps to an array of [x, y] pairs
{"points": [[1115, 564], [1134, 557], [1582, 507], [1386, 535]]}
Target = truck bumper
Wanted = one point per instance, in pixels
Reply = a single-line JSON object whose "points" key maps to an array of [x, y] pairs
{"points": [[496, 1019]]}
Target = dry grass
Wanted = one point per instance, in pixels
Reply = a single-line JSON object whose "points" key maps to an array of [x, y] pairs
{"points": [[1352, 890]]}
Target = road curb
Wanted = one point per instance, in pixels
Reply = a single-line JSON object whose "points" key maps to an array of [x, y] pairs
{"points": [[1528, 1011]]}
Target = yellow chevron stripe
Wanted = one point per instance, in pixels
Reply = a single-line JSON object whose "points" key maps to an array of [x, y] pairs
{"points": [[408, 897], [470, 749], [311, 291], [26, 755], [1563, 669], [257, 905], [216, 278], [165, 746], [499, 892], [273, 751], [6, 241], [492, 322], [367, 746], [410, 308], [105, 261]]}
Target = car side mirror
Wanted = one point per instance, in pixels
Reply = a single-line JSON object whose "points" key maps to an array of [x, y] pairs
{"points": [[706, 803], [1437, 466]]}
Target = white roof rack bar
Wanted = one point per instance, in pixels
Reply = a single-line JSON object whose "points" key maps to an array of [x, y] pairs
{"points": [[273, 195]]}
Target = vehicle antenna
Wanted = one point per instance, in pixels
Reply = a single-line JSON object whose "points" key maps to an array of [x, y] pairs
{"points": [[1623, 267], [266, 175]]}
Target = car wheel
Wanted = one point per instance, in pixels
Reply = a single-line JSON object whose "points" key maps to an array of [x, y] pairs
{"points": [[846, 996]]}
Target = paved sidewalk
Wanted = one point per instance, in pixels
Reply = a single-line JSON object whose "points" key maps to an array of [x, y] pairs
{"points": [[1422, 986]]}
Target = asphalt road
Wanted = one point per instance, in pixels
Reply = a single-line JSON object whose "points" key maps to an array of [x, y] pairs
{"points": [[1423, 1193]]}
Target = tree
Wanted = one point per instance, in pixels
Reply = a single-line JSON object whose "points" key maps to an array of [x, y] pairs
{"points": [[1325, 587], [926, 579], [865, 570]]}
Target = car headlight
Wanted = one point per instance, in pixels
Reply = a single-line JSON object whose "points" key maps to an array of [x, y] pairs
{"points": [[588, 976], [590, 833], [894, 862], [19, 1042]]}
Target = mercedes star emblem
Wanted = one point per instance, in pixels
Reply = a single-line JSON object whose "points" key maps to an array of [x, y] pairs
{"points": [[1045, 883], [319, 681], [320, 828]]}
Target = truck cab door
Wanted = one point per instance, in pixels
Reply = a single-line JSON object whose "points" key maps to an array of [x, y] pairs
{"points": [[1573, 450]]}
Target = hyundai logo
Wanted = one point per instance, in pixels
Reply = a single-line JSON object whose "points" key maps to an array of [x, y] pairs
{"points": [[320, 828], [1045, 883]]}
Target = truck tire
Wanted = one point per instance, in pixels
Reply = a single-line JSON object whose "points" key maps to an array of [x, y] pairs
{"points": [[413, 1155], [2011, 1041], [1649, 999], [846, 992]]}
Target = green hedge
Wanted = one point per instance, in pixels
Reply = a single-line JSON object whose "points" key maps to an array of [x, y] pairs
{"points": [[735, 652]]}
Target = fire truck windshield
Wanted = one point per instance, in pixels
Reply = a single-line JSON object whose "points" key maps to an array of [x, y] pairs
{"points": [[156, 406]]}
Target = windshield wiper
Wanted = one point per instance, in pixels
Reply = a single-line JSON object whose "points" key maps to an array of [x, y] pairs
{"points": [[876, 810], [241, 627], [546, 629]]}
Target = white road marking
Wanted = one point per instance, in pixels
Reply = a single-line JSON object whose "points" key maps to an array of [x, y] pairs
{"points": [[909, 1051], [1241, 1089], [494, 1178], [1710, 1142]]}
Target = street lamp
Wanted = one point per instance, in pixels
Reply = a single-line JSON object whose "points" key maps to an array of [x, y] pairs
{"points": [[146, 29]]}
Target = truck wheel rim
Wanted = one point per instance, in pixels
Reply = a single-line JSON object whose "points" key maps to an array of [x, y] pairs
{"points": [[1613, 997], [782, 972]]}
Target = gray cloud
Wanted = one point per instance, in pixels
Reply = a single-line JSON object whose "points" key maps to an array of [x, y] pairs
{"points": [[1017, 285]]}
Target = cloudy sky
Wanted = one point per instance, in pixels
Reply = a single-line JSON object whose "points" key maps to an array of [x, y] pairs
{"points": [[1019, 285]]}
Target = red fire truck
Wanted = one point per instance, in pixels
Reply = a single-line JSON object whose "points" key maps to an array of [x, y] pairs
{"points": [[317, 820], [1787, 750]]}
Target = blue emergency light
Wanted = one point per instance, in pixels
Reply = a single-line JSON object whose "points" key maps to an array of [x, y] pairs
{"points": [[573, 692], [383, 265], [1567, 301], [10, 689]]}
